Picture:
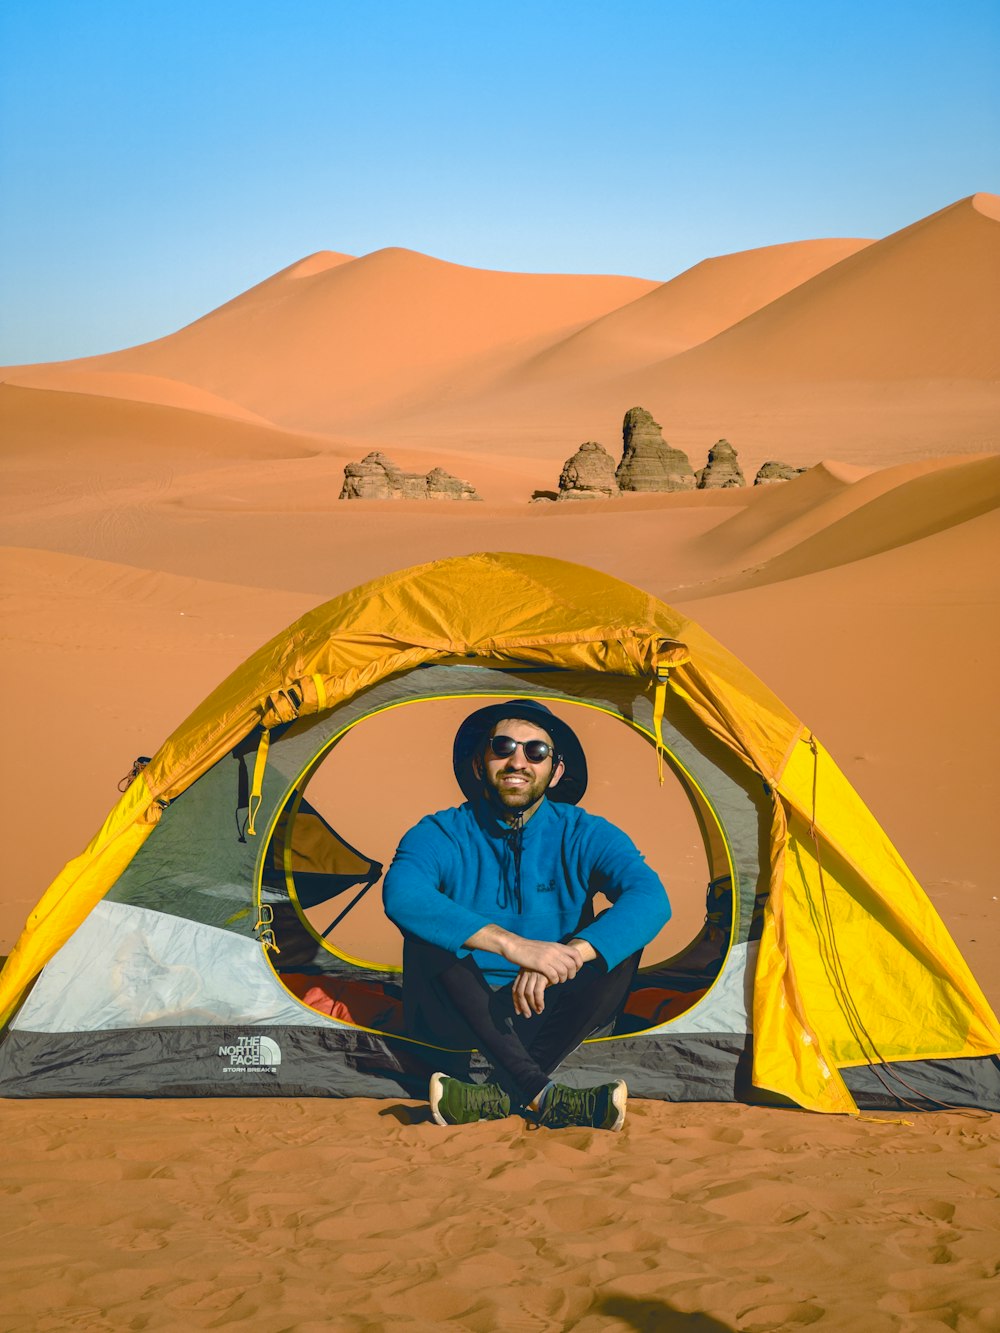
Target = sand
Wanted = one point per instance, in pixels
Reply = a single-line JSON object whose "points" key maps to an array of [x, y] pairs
{"points": [[362, 1216], [168, 508]]}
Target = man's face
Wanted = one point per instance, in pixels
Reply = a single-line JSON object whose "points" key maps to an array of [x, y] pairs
{"points": [[518, 782]]}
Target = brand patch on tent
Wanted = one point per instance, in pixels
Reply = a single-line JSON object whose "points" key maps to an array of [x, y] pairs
{"points": [[257, 1053]]}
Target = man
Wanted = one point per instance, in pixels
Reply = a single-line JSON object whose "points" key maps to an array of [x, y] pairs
{"points": [[502, 950]]}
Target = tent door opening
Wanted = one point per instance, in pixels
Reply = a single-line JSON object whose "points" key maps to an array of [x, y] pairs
{"points": [[312, 877]]}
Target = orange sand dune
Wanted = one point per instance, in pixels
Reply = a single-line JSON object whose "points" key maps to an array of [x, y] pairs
{"points": [[130, 387], [133, 432], [886, 356], [688, 309], [866, 424], [318, 262], [792, 531], [314, 346], [883, 356], [923, 303], [86, 473]]}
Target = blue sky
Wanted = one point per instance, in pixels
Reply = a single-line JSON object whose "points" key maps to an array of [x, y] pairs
{"points": [[159, 156]]}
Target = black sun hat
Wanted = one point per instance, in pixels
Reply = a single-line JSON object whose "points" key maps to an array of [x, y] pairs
{"points": [[474, 730]]}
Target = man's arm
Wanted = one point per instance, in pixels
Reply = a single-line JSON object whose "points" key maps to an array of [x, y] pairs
{"points": [[411, 891], [640, 906], [555, 962]]}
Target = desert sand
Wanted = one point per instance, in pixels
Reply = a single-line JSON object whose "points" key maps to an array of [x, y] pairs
{"points": [[168, 508]]}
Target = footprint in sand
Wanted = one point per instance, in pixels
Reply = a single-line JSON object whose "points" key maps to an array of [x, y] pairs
{"points": [[775, 1317]]}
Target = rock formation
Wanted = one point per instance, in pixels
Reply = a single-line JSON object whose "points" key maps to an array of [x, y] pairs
{"points": [[722, 472], [589, 474], [377, 478], [648, 462], [442, 485], [772, 471]]}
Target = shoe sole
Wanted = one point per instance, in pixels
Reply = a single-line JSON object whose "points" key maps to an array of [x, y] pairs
{"points": [[434, 1097], [619, 1100]]}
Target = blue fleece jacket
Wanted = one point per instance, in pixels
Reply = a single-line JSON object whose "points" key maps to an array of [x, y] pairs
{"points": [[453, 873]]}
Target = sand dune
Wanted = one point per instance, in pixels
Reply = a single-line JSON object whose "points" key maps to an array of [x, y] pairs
{"points": [[316, 346], [688, 309], [791, 531], [886, 356], [132, 431], [872, 353], [130, 387], [923, 303]]}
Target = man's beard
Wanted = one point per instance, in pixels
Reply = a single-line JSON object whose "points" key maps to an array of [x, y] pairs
{"points": [[519, 795]]}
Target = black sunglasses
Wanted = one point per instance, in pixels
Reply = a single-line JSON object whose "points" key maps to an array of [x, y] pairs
{"points": [[534, 751]]}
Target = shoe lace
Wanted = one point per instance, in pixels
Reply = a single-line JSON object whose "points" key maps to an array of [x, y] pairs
{"points": [[569, 1106], [490, 1097]]}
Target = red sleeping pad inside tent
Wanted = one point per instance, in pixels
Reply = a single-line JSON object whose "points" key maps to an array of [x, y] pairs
{"points": [[367, 1006], [658, 1005]]}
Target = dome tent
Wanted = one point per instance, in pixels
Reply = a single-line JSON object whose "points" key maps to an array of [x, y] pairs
{"points": [[164, 959]]}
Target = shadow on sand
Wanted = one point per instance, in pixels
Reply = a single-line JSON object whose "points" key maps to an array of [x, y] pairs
{"points": [[408, 1115], [656, 1316]]}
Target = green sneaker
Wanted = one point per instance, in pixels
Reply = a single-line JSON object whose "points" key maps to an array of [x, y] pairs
{"points": [[602, 1107], [456, 1103]]}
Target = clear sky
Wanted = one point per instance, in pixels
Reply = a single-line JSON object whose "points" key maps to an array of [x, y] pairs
{"points": [[159, 156]]}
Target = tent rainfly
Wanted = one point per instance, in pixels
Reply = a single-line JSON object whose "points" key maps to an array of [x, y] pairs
{"points": [[174, 956]]}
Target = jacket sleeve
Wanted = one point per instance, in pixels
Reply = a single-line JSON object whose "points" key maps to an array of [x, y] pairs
{"points": [[639, 908], [413, 891]]}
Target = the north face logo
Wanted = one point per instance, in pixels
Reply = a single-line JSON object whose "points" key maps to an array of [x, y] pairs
{"points": [[257, 1053]]}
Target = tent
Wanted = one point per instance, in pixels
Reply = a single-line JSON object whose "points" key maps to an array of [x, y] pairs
{"points": [[175, 955]]}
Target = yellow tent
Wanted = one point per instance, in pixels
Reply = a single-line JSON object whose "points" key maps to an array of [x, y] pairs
{"points": [[851, 972]]}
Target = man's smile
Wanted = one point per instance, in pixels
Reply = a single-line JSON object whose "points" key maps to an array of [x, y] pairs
{"points": [[517, 783]]}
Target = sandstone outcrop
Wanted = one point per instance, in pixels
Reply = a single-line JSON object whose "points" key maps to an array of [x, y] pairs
{"points": [[722, 472], [648, 462], [589, 474], [441, 485], [377, 478], [772, 471]]}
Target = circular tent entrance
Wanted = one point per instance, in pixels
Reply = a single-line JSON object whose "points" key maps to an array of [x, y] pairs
{"points": [[328, 842]]}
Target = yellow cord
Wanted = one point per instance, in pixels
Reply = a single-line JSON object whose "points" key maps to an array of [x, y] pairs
{"points": [[260, 763], [320, 692], [659, 705]]}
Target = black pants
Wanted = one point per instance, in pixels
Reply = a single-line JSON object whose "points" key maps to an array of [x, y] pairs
{"points": [[448, 1002]]}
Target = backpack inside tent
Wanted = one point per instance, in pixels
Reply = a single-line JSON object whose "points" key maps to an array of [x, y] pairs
{"points": [[184, 952]]}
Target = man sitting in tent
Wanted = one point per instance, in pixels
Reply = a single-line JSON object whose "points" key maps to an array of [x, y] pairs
{"points": [[502, 949]]}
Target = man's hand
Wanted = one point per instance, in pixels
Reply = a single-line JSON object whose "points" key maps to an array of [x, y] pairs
{"points": [[529, 986], [528, 993], [556, 962]]}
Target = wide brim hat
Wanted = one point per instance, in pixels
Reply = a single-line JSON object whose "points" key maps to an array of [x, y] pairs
{"points": [[473, 731]]}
